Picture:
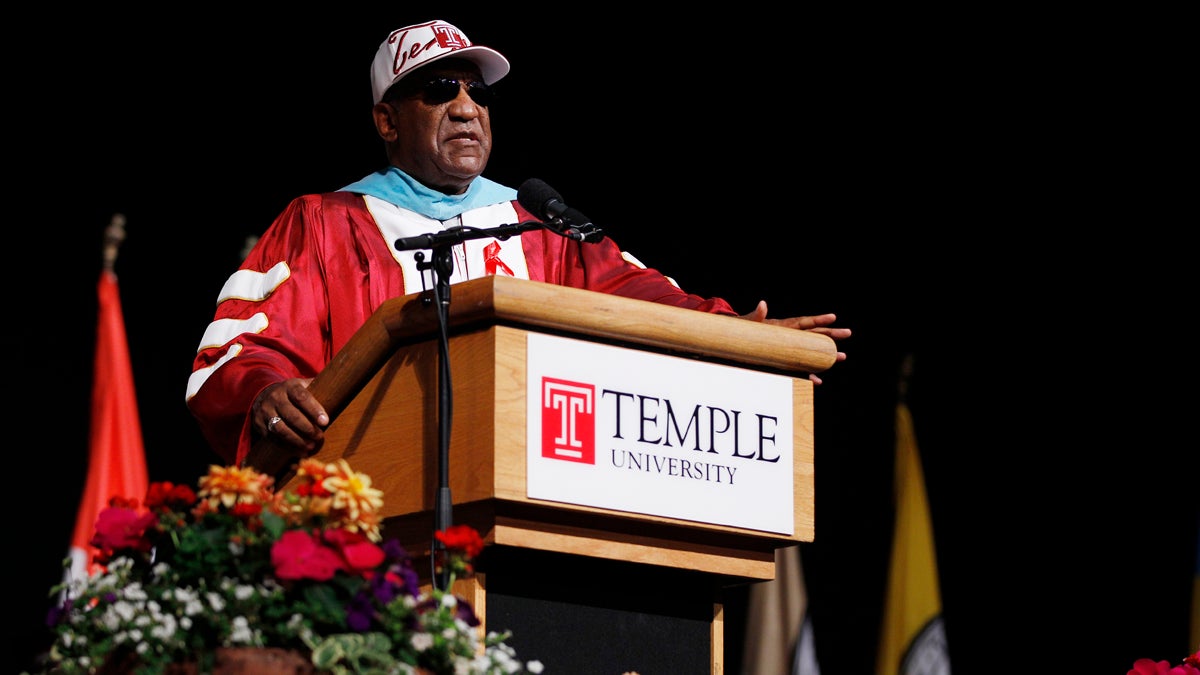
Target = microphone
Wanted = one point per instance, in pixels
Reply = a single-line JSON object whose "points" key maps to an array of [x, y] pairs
{"points": [[542, 201]]}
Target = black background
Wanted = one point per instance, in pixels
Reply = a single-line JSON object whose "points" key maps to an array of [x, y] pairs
{"points": [[996, 194]]}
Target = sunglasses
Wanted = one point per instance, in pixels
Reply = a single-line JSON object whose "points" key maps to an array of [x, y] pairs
{"points": [[442, 89]]}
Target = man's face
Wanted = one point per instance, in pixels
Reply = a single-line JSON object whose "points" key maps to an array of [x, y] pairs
{"points": [[443, 128]]}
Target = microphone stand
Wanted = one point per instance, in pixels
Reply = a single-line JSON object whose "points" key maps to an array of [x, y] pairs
{"points": [[442, 264]]}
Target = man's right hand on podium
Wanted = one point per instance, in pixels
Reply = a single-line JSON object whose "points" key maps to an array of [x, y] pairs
{"points": [[289, 413]]}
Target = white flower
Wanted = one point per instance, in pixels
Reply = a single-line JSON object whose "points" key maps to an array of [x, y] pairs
{"points": [[110, 619], [135, 592], [166, 629], [241, 633], [215, 601], [193, 607], [124, 610], [422, 641]]}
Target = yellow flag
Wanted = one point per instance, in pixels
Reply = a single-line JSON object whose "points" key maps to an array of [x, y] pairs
{"points": [[1194, 642], [913, 640]]}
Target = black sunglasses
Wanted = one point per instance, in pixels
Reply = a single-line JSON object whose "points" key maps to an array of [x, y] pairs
{"points": [[441, 89]]}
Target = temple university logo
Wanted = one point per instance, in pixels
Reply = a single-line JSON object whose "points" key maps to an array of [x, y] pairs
{"points": [[448, 37], [568, 420]]}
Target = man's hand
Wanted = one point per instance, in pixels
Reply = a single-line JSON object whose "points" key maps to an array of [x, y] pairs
{"points": [[288, 412], [821, 323]]}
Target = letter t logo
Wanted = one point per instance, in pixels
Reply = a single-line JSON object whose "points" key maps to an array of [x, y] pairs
{"points": [[568, 420]]}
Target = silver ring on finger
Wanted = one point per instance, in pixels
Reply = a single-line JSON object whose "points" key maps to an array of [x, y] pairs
{"points": [[272, 422]]}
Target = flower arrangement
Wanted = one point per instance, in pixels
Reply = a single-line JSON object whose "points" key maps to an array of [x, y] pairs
{"points": [[1190, 666], [240, 564]]}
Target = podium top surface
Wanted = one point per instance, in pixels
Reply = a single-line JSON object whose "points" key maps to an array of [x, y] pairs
{"points": [[562, 309]]}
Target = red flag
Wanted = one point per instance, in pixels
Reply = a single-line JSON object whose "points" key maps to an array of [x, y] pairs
{"points": [[116, 459]]}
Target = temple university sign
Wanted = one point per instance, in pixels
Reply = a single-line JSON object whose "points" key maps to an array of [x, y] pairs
{"points": [[649, 433]]}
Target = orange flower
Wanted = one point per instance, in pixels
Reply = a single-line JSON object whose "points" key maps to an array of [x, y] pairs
{"points": [[311, 475], [227, 486], [355, 502]]}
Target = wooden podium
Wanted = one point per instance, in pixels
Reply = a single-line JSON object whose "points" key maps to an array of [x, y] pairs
{"points": [[584, 589]]}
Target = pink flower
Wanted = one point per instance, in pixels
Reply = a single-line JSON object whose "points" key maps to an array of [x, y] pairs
{"points": [[300, 555], [1190, 666], [122, 529], [359, 554], [1149, 667]]}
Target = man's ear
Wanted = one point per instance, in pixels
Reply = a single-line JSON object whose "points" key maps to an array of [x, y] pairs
{"points": [[384, 124]]}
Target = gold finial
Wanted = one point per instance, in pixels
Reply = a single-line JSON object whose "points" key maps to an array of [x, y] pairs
{"points": [[113, 236], [906, 371], [248, 245]]}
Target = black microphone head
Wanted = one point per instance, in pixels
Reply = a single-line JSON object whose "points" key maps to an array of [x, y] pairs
{"points": [[534, 195]]}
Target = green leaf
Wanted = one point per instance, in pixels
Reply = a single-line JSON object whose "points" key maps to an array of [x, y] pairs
{"points": [[359, 649], [273, 524]]}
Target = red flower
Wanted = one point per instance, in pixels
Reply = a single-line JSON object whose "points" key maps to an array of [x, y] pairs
{"points": [[246, 511], [300, 555], [359, 554], [123, 503], [122, 529], [167, 496], [462, 538]]}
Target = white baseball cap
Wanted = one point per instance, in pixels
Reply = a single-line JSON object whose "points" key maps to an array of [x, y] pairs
{"points": [[411, 47]]}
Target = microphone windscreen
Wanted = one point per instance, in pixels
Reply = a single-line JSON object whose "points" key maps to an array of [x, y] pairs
{"points": [[534, 194]]}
